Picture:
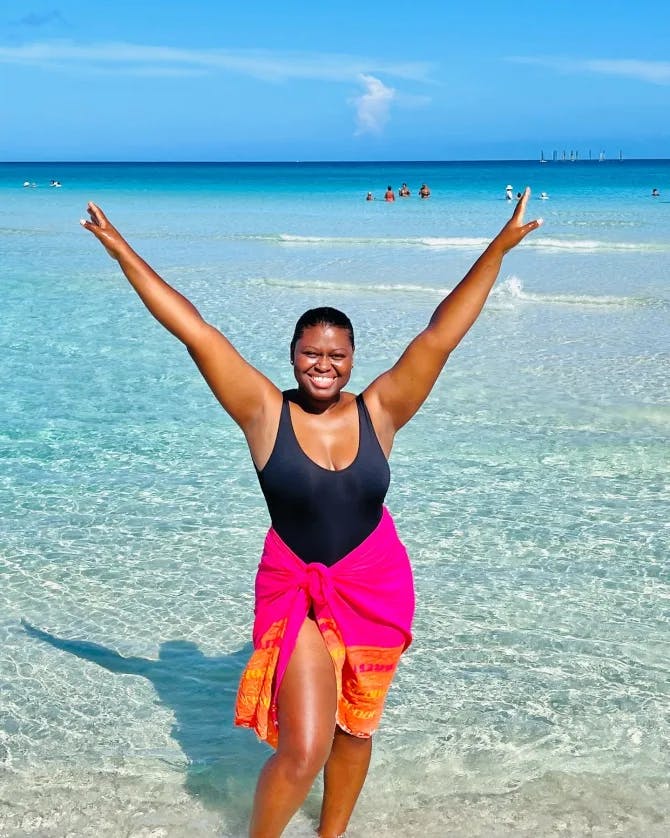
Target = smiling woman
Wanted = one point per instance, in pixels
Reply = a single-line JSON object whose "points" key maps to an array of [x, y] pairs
{"points": [[322, 349], [327, 475], [334, 590]]}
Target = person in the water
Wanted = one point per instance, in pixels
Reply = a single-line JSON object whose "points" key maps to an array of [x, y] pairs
{"points": [[334, 594]]}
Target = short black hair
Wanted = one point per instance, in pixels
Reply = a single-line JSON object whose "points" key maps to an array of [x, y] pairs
{"points": [[322, 316]]}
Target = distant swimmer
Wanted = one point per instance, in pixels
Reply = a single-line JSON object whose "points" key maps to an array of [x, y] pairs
{"points": [[543, 196], [654, 193], [369, 197], [55, 183], [509, 191], [518, 196], [424, 192], [404, 192], [389, 195]]}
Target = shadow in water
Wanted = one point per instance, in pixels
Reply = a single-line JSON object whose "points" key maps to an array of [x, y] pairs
{"points": [[223, 761]]}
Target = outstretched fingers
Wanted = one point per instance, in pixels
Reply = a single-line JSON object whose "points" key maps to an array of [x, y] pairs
{"points": [[515, 230], [101, 228], [530, 226], [520, 207], [97, 216]]}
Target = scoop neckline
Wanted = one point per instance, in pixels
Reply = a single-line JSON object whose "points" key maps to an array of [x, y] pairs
{"points": [[313, 462]]}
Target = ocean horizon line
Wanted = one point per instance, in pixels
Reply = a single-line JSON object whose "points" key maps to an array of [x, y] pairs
{"points": [[459, 162]]}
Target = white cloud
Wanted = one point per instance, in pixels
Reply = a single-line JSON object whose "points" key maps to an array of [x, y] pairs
{"points": [[372, 106], [655, 72], [262, 64]]}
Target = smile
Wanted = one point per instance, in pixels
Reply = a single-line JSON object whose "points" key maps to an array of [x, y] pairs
{"points": [[321, 381]]}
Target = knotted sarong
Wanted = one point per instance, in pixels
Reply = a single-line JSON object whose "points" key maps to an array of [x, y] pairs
{"points": [[363, 606]]}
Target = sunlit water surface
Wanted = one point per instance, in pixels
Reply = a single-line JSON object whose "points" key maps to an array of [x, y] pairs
{"points": [[531, 491]]}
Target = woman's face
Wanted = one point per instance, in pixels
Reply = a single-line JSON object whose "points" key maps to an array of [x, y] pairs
{"points": [[322, 361]]}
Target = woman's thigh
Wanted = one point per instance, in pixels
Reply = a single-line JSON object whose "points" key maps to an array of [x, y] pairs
{"points": [[307, 700]]}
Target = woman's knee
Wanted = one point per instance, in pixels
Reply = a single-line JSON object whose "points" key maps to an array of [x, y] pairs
{"points": [[303, 760]]}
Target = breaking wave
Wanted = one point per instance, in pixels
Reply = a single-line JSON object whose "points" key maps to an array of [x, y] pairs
{"points": [[546, 243], [507, 292]]}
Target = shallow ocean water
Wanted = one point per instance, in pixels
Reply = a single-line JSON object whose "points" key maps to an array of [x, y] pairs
{"points": [[531, 490]]}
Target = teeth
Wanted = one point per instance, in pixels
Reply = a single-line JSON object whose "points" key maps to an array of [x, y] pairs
{"points": [[322, 380]]}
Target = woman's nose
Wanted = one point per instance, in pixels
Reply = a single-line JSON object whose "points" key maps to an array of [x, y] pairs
{"points": [[323, 362]]}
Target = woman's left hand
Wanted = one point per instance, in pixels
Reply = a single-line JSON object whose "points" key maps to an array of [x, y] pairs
{"points": [[515, 230], [104, 231]]}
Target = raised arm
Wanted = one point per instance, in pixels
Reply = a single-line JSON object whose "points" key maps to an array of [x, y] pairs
{"points": [[243, 391], [397, 394]]}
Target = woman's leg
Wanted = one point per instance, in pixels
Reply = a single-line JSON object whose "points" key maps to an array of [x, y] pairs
{"points": [[343, 779], [307, 704]]}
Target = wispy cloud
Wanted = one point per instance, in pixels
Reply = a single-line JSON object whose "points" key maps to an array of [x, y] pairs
{"points": [[655, 72], [267, 65], [373, 105]]}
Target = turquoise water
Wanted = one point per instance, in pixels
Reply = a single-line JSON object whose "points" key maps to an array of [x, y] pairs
{"points": [[532, 492]]}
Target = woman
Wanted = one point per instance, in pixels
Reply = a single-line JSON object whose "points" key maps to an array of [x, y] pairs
{"points": [[334, 598]]}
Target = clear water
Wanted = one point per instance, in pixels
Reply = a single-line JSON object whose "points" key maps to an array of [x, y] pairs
{"points": [[532, 492]]}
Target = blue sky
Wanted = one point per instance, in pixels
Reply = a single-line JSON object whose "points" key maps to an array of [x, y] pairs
{"points": [[360, 80]]}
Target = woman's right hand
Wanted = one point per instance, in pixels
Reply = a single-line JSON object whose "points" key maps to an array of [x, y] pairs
{"points": [[104, 231]]}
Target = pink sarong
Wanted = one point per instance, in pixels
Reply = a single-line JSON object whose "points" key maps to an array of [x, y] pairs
{"points": [[363, 605]]}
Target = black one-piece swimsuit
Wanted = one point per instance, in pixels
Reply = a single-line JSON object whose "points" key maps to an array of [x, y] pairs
{"points": [[319, 513]]}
